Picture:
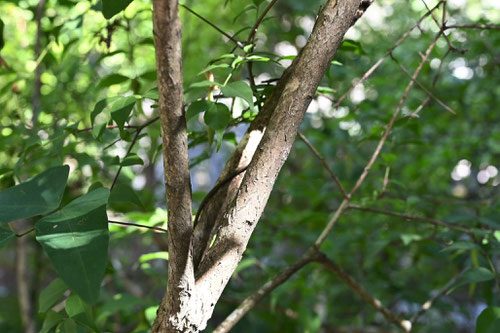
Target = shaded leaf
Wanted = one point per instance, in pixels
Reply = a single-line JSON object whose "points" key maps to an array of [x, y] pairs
{"points": [[80, 311], [238, 89], [112, 79], [461, 246], [51, 294], [40, 195], [489, 320], [51, 320], [6, 236], [76, 241], [473, 275], [218, 116], [197, 107], [112, 7], [124, 193], [132, 159]]}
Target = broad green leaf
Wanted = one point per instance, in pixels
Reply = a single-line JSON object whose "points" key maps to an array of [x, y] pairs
{"points": [[461, 246], [151, 94], [68, 325], [112, 79], [154, 255], [473, 275], [408, 238], [120, 110], [6, 236], [218, 116], [80, 311], [489, 320], [39, 195], [389, 158], [124, 194], [76, 241], [238, 89], [51, 320], [51, 294], [204, 83], [100, 119], [112, 7], [197, 107], [212, 67], [132, 159]]}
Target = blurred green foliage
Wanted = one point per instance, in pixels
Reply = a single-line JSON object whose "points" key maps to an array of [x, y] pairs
{"points": [[435, 164]]}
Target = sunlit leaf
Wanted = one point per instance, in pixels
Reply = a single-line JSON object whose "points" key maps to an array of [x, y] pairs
{"points": [[40, 195], [76, 242], [154, 255]]}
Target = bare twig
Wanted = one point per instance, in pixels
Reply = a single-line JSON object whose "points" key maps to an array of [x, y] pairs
{"points": [[361, 291], [427, 91], [427, 305], [323, 163], [396, 113], [472, 26], [381, 60], [228, 36], [37, 83], [134, 140], [277, 280], [138, 225], [412, 218]]}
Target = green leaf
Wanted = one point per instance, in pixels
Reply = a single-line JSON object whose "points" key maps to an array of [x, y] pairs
{"points": [[120, 110], [6, 236], [76, 241], [238, 89], [112, 79], [132, 159], [461, 246], [151, 94], [39, 195], [51, 294], [204, 83], [112, 7], [218, 116], [68, 326], [80, 311], [154, 255], [51, 320], [389, 158], [489, 320], [124, 193], [197, 107], [212, 67], [473, 275], [408, 238]]}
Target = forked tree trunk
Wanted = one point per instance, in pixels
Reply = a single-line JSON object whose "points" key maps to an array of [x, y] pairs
{"points": [[197, 274]]}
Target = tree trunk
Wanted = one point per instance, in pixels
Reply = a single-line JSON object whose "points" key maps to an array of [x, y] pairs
{"points": [[198, 274]]}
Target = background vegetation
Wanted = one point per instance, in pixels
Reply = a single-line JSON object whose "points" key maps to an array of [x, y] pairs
{"points": [[436, 165]]}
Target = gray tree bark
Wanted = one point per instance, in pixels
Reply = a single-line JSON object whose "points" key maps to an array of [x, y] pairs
{"points": [[198, 274]]}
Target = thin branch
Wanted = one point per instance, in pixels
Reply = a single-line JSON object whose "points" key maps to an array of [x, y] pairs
{"points": [[134, 140], [138, 225], [427, 305], [250, 39], [323, 163], [396, 113], [412, 218], [277, 280], [440, 25], [25, 233], [372, 69], [472, 26], [228, 36], [356, 287], [427, 91]]}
